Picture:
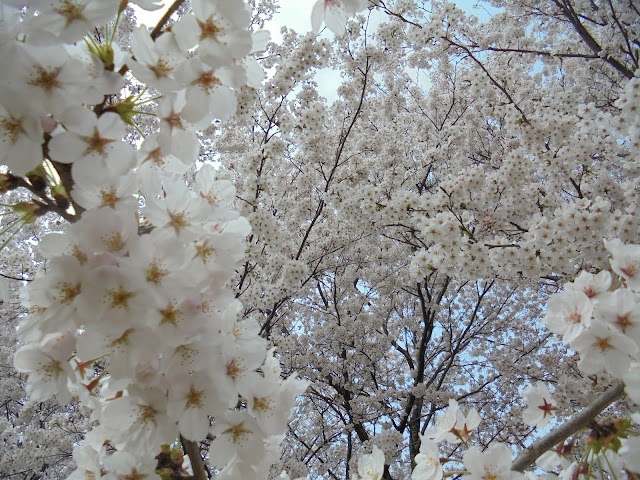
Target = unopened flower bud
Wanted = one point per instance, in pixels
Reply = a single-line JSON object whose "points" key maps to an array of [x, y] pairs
{"points": [[49, 124], [37, 180], [61, 196], [8, 182]]}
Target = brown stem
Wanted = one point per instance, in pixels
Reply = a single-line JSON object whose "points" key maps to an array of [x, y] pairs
{"points": [[47, 204], [560, 434], [192, 449], [157, 31]]}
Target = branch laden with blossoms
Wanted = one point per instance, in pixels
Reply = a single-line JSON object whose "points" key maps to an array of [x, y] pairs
{"points": [[135, 317]]}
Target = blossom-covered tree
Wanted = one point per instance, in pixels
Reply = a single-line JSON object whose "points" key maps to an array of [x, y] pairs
{"points": [[404, 248]]}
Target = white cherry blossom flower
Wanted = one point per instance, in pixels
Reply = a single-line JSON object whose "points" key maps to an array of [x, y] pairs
{"points": [[601, 348], [170, 114], [47, 364], [237, 435], [88, 136], [53, 297], [66, 20], [139, 422], [540, 405], [106, 184], [371, 465], [494, 463], [452, 426], [106, 231], [632, 382], [208, 93], [629, 453], [589, 284], [163, 155], [218, 28], [428, 466], [625, 261], [271, 403], [192, 399], [48, 76], [125, 465], [551, 459], [21, 133], [156, 62], [219, 193], [234, 368], [87, 456], [334, 13], [568, 313], [620, 310], [111, 299], [180, 210]]}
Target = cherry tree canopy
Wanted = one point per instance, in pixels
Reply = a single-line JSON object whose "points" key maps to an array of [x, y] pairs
{"points": [[441, 265]]}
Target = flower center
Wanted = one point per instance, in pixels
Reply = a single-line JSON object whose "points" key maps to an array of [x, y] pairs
{"points": [[208, 81], [194, 398], [45, 79], [161, 69], [209, 29], [120, 297], [12, 127], [70, 11]]}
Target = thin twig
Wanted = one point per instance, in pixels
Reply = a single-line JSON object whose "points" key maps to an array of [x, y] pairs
{"points": [[9, 277]]}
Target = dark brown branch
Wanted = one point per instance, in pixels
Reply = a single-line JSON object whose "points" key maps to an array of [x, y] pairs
{"points": [[491, 79], [64, 172], [573, 18], [49, 204], [157, 31], [544, 54], [9, 277], [386, 10]]}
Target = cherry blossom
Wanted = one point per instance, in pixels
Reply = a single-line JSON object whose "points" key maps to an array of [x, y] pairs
{"points": [[452, 425], [396, 246], [48, 365], [494, 463], [428, 466], [625, 261], [371, 465], [540, 405], [334, 13], [20, 134]]}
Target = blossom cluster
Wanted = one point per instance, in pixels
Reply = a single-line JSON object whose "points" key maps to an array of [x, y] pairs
{"points": [[597, 315], [135, 316], [521, 225]]}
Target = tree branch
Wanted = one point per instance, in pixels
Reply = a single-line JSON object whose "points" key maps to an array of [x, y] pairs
{"points": [[157, 31], [579, 421], [192, 449]]}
